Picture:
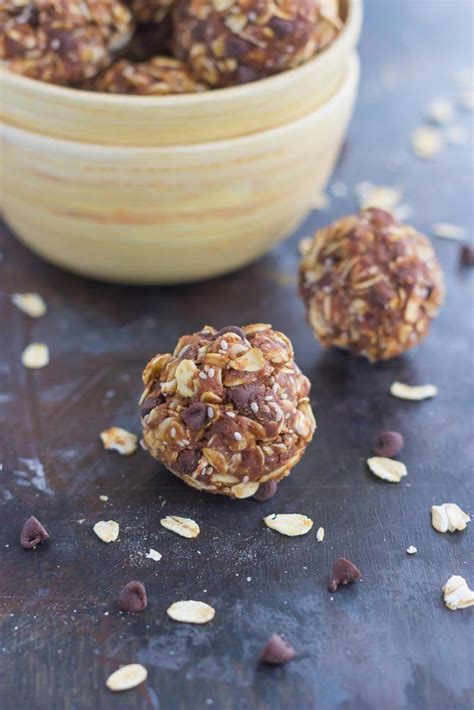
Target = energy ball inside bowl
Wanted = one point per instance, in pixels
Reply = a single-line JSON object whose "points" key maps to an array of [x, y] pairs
{"points": [[231, 42], [156, 77], [370, 284], [61, 41], [228, 410]]}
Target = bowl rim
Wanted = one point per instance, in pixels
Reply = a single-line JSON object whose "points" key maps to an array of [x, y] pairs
{"points": [[351, 77], [79, 96]]}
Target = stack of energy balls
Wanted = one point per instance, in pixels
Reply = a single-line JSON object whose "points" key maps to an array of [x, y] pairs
{"points": [[159, 47]]}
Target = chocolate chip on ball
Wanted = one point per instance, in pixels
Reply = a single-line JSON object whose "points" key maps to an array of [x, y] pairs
{"points": [[234, 419], [371, 285]]}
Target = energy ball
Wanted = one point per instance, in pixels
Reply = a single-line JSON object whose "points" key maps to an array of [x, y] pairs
{"points": [[370, 284], [231, 42], [228, 410], [61, 41], [156, 77]]}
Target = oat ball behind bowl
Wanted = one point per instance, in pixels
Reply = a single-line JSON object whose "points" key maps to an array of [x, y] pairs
{"points": [[228, 410], [159, 76], [231, 42], [370, 284], [61, 41]]}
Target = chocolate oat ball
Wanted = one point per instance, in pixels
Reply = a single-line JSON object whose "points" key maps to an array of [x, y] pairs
{"points": [[231, 42], [61, 41], [370, 284], [228, 410], [156, 77]]}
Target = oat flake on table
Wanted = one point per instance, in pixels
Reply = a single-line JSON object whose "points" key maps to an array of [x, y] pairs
{"points": [[290, 524], [35, 356], [191, 612], [30, 303], [117, 439], [387, 469], [413, 393], [185, 527], [126, 677], [427, 142]]}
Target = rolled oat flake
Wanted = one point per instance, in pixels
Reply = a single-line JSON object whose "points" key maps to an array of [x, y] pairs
{"points": [[127, 677]]}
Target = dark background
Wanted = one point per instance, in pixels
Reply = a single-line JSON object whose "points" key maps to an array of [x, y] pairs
{"points": [[387, 642]]}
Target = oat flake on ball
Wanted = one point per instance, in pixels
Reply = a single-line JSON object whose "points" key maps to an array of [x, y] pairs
{"points": [[371, 285], [228, 410], [229, 42]]}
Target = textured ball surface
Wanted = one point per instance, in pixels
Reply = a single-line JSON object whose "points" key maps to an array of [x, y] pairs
{"points": [[228, 410], [370, 284], [61, 41], [159, 76], [230, 42]]}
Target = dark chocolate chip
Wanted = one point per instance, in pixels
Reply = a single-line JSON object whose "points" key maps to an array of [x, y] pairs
{"points": [[277, 651], [245, 75], [381, 293], [236, 47], [150, 403], [388, 444], [467, 255], [231, 329], [32, 533], [195, 415], [187, 461], [281, 28], [380, 218], [133, 597], [343, 572], [241, 396], [266, 491]]}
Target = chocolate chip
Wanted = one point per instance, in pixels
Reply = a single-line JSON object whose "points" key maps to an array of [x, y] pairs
{"points": [[281, 28], [195, 415], [266, 491], [150, 403], [380, 218], [467, 255], [231, 329], [32, 533], [277, 651], [245, 75], [187, 461], [133, 597], [241, 396], [343, 572], [236, 47], [388, 444]]}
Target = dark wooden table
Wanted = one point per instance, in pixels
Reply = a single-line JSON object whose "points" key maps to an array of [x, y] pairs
{"points": [[388, 642]]}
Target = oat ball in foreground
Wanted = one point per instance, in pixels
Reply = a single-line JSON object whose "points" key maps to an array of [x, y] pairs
{"points": [[228, 410], [370, 284], [229, 42], [158, 76], [61, 41]]}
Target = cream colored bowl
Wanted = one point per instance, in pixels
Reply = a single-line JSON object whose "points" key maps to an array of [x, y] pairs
{"points": [[170, 213], [124, 201]]}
